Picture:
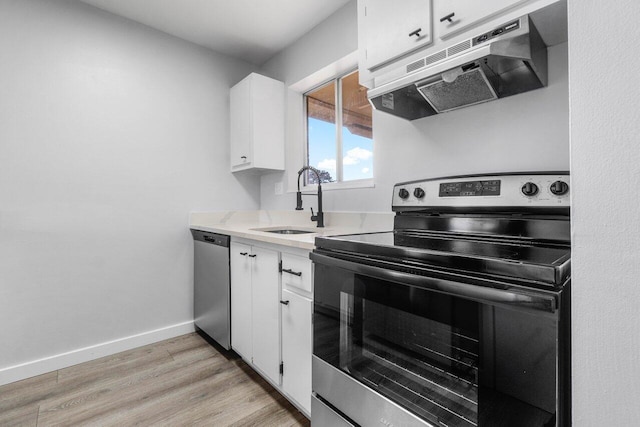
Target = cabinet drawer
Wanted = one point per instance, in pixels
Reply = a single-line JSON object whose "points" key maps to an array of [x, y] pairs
{"points": [[296, 272]]}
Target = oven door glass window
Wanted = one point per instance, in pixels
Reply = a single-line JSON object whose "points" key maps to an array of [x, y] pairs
{"points": [[450, 360]]}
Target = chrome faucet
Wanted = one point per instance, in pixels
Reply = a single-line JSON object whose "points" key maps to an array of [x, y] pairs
{"points": [[319, 217]]}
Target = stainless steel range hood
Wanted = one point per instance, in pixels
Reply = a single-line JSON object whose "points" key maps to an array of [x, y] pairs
{"points": [[507, 60]]}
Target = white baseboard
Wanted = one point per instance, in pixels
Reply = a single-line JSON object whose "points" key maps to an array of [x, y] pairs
{"points": [[64, 360]]}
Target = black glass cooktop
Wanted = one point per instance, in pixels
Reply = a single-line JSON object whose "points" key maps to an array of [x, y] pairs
{"points": [[515, 258]]}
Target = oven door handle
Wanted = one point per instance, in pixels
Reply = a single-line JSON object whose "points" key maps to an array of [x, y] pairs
{"points": [[537, 301]]}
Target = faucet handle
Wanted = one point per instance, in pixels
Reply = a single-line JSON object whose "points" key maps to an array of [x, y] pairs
{"points": [[299, 201], [314, 217]]}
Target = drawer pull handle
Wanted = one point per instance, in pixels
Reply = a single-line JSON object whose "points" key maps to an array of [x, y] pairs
{"points": [[295, 273], [253, 256], [284, 302], [448, 17], [243, 253], [415, 33]]}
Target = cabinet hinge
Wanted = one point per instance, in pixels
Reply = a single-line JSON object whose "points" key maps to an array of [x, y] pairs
{"points": [[280, 266], [281, 368]]}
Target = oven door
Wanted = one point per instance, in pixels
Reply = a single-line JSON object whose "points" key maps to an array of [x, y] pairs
{"points": [[393, 347]]}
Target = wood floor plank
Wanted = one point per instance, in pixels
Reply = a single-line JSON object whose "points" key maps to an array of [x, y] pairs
{"points": [[27, 392], [182, 381], [223, 399], [93, 394], [182, 343], [194, 353], [111, 366], [101, 403], [23, 416], [181, 406], [276, 413]]}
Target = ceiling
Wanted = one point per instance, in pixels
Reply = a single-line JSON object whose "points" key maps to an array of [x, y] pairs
{"points": [[252, 30]]}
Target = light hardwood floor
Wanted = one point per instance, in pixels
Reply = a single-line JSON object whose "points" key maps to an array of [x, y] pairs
{"points": [[177, 382]]}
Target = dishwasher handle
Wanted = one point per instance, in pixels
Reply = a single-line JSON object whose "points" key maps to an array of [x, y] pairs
{"points": [[211, 238]]}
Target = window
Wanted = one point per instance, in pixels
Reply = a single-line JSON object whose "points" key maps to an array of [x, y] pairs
{"points": [[339, 131]]}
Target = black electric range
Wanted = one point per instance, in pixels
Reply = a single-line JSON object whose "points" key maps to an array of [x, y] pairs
{"points": [[459, 316]]}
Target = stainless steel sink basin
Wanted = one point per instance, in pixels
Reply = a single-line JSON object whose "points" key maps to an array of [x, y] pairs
{"points": [[286, 229], [289, 231]]}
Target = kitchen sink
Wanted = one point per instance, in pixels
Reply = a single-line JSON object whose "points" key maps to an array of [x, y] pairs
{"points": [[289, 231], [286, 230]]}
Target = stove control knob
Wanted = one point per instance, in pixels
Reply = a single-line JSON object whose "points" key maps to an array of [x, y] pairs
{"points": [[559, 188], [403, 193], [418, 193], [529, 189]]}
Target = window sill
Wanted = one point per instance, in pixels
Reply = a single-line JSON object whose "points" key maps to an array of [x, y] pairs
{"points": [[345, 185]]}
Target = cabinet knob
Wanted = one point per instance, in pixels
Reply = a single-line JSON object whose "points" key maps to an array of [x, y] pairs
{"points": [[448, 17]]}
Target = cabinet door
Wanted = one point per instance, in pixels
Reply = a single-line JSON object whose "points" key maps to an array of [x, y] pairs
{"points": [[391, 29], [296, 347], [467, 13], [241, 130], [241, 299], [257, 124], [266, 312]]}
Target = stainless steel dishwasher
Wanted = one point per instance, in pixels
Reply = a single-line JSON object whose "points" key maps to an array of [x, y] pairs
{"points": [[212, 287]]}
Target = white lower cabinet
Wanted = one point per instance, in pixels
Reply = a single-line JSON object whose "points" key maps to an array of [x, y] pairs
{"points": [[241, 319], [271, 315], [296, 347], [255, 311]]}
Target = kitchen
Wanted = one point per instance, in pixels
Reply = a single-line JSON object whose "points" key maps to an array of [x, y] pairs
{"points": [[84, 256]]}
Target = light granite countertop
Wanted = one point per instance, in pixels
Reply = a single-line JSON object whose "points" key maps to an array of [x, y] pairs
{"points": [[254, 225]]}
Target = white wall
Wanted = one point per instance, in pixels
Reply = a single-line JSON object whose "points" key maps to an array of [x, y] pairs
{"points": [[605, 166], [525, 132], [110, 133]]}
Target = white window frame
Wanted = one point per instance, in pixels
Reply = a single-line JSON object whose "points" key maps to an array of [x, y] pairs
{"points": [[339, 184]]}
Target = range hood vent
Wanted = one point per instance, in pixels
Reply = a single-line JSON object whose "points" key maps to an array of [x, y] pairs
{"points": [[507, 60]]}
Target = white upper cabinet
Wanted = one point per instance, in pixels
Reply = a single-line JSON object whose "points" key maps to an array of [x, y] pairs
{"points": [[257, 124], [389, 29], [455, 16], [389, 48]]}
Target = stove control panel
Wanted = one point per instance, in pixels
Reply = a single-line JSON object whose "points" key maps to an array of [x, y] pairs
{"points": [[542, 189], [470, 188]]}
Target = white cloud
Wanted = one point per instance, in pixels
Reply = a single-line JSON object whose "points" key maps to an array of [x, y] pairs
{"points": [[365, 170], [355, 155], [327, 165]]}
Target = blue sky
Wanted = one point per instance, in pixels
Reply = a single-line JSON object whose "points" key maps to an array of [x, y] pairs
{"points": [[357, 154]]}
